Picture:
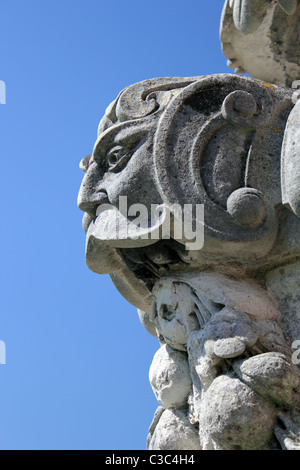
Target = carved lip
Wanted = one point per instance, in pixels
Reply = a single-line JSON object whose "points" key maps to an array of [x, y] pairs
{"points": [[87, 219]]}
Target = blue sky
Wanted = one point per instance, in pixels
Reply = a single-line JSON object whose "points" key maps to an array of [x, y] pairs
{"points": [[77, 356]]}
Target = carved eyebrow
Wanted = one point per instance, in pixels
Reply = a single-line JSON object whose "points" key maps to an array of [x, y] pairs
{"points": [[85, 163], [122, 139]]}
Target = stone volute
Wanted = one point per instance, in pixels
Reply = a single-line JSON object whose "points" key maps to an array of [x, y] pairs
{"points": [[192, 203]]}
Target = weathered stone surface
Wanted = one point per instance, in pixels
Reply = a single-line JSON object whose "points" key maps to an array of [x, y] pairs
{"points": [[284, 283], [140, 157], [261, 37], [290, 164], [222, 294], [173, 432], [170, 378], [273, 377], [233, 417], [287, 432]]}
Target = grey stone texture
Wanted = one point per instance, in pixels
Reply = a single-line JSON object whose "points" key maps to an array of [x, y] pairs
{"points": [[226, 315], [261, 37]]}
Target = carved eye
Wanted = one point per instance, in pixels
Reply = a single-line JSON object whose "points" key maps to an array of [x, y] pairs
{"points": [[117, 158], [167, 313]]}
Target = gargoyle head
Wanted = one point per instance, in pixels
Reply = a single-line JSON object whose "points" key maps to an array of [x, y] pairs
{"points": [[174, 143]]}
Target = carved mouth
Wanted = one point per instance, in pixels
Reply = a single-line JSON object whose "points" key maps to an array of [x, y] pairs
{"points": [[86, 221]]}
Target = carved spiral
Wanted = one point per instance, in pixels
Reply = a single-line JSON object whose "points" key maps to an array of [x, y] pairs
{"points": [[240, 107], [247, 207]]}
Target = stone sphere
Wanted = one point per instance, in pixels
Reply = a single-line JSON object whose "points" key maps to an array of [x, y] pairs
{"points": [[234, 417], [247, 207], [174, 432], [169, 377]]}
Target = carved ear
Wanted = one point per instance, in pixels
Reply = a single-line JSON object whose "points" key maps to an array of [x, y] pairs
{"points": [[207, 146], [290, 162]]}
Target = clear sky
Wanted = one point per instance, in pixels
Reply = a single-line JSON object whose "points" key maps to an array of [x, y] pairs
{"points": [[77, 356]]}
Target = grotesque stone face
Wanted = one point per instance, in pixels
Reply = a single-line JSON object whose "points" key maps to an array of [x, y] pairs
{"points": [[121, 165], [225, 375], [270, 27], [175, 313], [212, 141]]}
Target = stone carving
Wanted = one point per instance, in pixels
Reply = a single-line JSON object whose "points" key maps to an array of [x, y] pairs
{"points": [[271, 27], [291, 171], [150, 160], [237, 362], [221, 294]]}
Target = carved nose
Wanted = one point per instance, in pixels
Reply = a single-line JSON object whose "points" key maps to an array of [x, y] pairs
{"points": [[87, 198], [92, 192]]}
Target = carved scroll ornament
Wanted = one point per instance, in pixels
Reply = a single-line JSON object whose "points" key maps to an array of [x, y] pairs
{"points": [[226, 143]]}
